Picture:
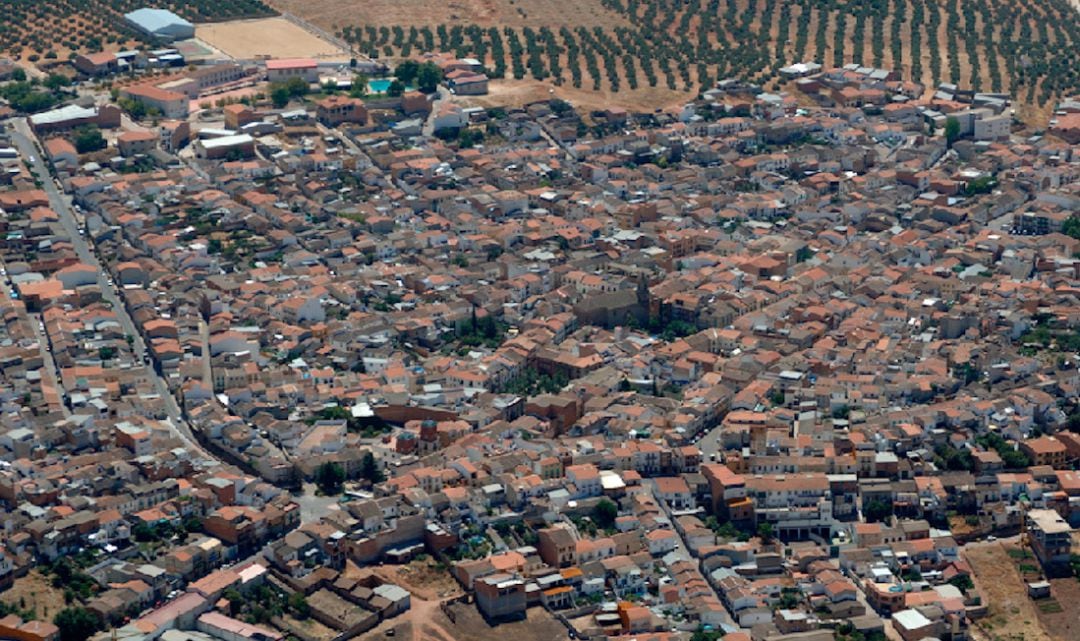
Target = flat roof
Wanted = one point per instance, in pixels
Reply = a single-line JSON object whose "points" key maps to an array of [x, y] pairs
{"points": [[226, 141]]}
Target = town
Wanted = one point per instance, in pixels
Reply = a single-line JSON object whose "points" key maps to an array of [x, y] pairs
{"points": [[330, 347]]}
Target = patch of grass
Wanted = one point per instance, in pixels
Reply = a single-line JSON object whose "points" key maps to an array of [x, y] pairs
{"points": [[1050, 607], [1019, 554]]}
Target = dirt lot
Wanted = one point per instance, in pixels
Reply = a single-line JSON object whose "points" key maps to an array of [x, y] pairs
{"points": [[423, 578], [1012, 615], [35, 592], [515, 93], [334, 14], [310, 628], [427, 622], [267, 37], [1058, 615]]}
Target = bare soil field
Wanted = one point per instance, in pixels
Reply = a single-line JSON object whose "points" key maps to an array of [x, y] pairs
{"points": [[332, 15], [1059, 615], [423, 578], [1012, 615], [35, 592], [266, 38], [516, 93]]}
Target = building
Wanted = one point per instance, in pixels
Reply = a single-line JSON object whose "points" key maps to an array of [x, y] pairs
{"points": [[238, 146], [160, 23], [500, 597], [467, 83], [217, 75], [1045, 450], [171, 104], [282, 70], [335, 110], [1050, 535], [96, 64], [238, 115], [72, 116], [132, 143]]}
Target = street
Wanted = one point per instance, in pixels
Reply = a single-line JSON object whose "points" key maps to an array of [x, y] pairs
{"points": [[25, 140]]}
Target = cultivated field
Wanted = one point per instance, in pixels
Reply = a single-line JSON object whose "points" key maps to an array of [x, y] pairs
{"points": [[52, 29], [1028, 48], [266, 38]]}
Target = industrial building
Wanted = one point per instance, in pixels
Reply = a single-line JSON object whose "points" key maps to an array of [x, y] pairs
{"points": [[160, 23]]}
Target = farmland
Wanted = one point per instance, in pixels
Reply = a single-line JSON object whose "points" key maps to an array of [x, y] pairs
{"points": [[1028, 49], [34, 30]]}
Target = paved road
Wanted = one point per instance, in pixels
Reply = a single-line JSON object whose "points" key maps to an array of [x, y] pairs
{"points": [[24, 139], [204, 338], [441, 96]]}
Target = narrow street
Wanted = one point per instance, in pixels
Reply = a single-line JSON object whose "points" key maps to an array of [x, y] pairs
{"points": [[25, 140]]}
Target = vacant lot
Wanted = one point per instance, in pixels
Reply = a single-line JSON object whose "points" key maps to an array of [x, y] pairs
{"points": [[332, 15], [266, 38], [35, 592], [1012, 615], [422, 577]]}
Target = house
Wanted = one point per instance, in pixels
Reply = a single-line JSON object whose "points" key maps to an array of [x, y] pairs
{"points": [[450, 116], [1045, 450], [61, 152], [133, 143], [557, 547], [334, 110], [501, 597], [305, 69], [467, 83]]}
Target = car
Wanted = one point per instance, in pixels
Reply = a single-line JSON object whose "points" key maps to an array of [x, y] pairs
{"points": [[391, 632], [991, 538]]}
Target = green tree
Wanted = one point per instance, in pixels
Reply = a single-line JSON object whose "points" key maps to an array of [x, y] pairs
{"points": [[299, 605], [952, 130], [1071, 227], [428, 77], [396, 89], [765, 532], [76, 624], [56, 81], [330, 477], [407, 71], [279, 95], [369, 469], [962, 582], [604, 514], [876, 511]]}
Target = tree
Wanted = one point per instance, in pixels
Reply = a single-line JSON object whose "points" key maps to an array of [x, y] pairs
{"points": [[299, 605], [396, 89], [407, 71], [329, 477], [962, 582], [359, 86], [369, 469], [76, 624], [428, 77], [604, 514], [765, 532], [56, 81], [88, 138], [952, 130], [876, 511], [279, 95], [1071, 227]]}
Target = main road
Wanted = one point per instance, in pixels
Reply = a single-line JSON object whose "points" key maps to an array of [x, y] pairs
{"points": [[24, 139]]}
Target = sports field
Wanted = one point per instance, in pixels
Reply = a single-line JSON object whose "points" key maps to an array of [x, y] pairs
{"points": [[267, 38]]}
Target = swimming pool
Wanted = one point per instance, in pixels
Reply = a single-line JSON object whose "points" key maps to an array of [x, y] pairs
{"points": [[378, 86]]}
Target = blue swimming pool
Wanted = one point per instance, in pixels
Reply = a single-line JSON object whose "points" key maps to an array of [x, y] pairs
{"points": [[378, 86]]}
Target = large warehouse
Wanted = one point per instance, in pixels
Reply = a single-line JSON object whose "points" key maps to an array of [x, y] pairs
{"points": [[160, 23]]}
